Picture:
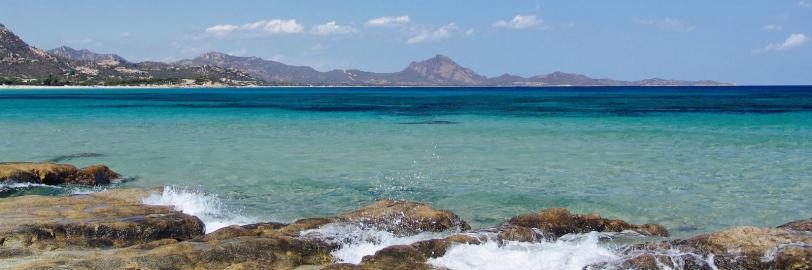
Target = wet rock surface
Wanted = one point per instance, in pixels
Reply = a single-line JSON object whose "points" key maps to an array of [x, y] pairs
{"points": [[557, 222], [114, 218], [55, 174], [113, 230], [403, 217], [737, 248]]}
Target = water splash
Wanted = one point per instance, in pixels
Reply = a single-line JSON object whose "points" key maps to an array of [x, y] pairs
{"points": [[208, 207], [358, 241], [559, 255]]}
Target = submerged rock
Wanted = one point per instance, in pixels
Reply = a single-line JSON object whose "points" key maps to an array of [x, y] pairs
{"points": [[798, 225], [114, 218], [55, 174], [558, 222], [73, 156]]}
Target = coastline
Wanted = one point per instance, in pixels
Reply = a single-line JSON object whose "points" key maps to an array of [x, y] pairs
{"points": [[103, 87]]}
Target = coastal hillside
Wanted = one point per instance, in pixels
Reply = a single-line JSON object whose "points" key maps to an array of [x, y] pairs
{"points": [[21, 63], [439, 70], [25, 64]]}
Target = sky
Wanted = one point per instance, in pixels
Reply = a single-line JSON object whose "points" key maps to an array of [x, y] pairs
{"points": [[745, 42]]}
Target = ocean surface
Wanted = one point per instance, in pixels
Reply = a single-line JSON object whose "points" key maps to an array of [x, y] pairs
{"points": [[693, 159]]}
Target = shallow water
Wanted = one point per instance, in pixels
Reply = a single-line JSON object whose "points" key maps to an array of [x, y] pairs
{"points": [[692, 159]]}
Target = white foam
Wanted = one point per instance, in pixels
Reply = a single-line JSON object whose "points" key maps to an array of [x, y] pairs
{"points": [[358, 241], [559, 255], [208, 207], [23, 185]]}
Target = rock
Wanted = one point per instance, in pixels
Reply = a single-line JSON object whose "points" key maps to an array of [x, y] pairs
{"points": [[398, 257], [305, 224], [519, 234], [798, 225], [263, 251], [437, 247], [342, 266], [114, 218], [741, 248], [55, 174], [95, 175], [41, 173], [559, 222], [405, 218]]}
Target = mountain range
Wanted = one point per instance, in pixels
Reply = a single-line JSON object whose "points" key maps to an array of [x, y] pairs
{"points": [[22, 63]]}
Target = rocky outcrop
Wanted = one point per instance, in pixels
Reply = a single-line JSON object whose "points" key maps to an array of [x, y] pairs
{"points": [[557, 222], [114, 230], [737, 248], [403, 217], [55, 174], [114, 218], [798, 225]]}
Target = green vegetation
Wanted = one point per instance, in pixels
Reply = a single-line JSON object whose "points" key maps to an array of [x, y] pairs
{"points": [[152, 81], [10, 81]]}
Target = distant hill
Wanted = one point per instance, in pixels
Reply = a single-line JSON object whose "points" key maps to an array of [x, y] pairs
{"points": [[86, 55], [24, 64], [439, 70], [21, 63]]}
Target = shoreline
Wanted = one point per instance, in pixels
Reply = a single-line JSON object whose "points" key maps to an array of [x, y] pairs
{"points": [[101, 87]]}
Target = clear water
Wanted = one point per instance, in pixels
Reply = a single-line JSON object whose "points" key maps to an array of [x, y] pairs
{"points": [[692, 159]]}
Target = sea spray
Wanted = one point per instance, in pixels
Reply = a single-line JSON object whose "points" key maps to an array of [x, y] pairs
{"points": [[358, 241], [559, 255], [208, 207]]}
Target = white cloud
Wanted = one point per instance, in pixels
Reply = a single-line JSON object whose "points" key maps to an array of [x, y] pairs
{"points": [[805, 3], [669, 24], [772, 27], [389, 21], [521, 22], [126, 34], [444, 32], [331, 28], [221, 29], [260, 27], [793, 41]]}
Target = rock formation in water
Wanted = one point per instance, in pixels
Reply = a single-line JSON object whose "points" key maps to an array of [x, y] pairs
{"points": [[55, 174], [114, 230]]}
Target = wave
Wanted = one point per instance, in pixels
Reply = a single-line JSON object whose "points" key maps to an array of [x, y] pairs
{"points": [[572, 254], [209, 208], [358, 241]]}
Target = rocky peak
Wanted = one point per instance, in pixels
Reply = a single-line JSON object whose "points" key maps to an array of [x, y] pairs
{"points": [[442, 70], [86, 55]]}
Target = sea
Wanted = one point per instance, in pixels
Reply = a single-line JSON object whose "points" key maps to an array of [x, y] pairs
{"points": [[694, 159]]}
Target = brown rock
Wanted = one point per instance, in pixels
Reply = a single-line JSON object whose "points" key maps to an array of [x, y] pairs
{"points": [[242, 252], [404, 218], [95, 175], [798, 225], [40, 173], [113, 218], [55, 174], [743, 248], [399, 257], [437, 247], [559, 222], [305, 224], [518, 233]]}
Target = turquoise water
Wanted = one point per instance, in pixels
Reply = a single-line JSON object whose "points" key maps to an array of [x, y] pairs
{"points": [[692, 159]]}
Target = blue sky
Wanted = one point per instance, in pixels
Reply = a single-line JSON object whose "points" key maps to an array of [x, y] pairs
{"points": [[746, 42]]}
